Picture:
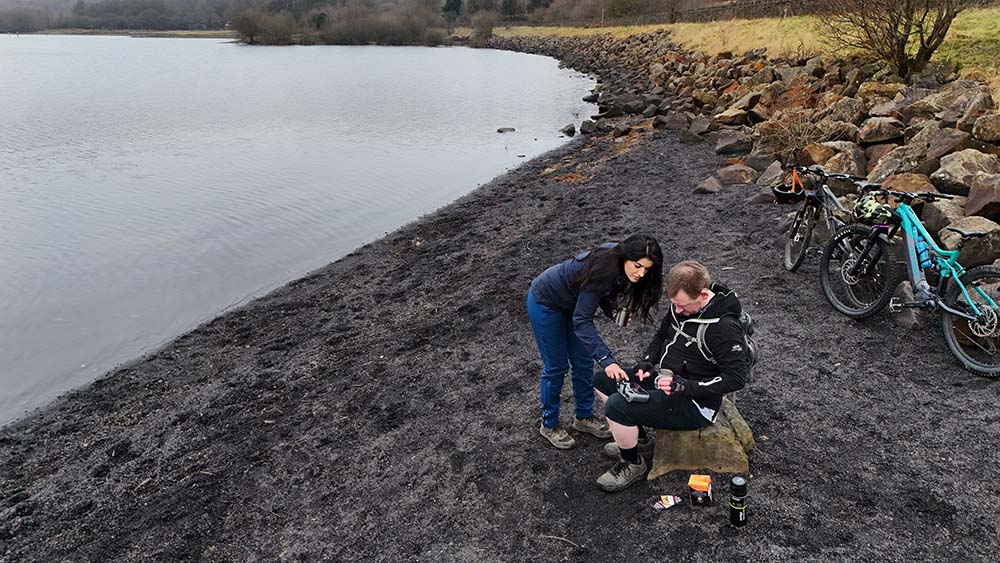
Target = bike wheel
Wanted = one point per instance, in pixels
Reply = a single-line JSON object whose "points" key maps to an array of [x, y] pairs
{"points": [[864, 293], [799, 235], [976, 343]]}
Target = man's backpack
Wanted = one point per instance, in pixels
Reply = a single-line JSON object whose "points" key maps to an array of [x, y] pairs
{"points": [[750, 349]]}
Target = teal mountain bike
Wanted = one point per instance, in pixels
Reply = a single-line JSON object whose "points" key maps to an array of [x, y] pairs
{"points": [[858, 274]]}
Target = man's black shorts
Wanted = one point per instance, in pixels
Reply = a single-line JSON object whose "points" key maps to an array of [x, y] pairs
{"points": [[670, 412]]}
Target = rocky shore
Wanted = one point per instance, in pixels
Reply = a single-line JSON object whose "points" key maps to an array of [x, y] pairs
{"points": [[384, 408], [933, 132]]}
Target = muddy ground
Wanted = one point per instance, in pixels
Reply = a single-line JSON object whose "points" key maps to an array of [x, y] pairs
{"points": [[385, 407]]}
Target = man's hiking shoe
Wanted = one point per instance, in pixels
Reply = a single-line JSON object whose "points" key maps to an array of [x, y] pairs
{"points": [[622, 475], [611, 449], [592, 426], [558, 437]]}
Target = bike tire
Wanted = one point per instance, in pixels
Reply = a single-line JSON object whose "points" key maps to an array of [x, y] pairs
{"points": [[961, 334], [799, 235], [866, 294]]}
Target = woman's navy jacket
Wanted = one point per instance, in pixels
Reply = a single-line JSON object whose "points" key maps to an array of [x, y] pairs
{"points": [[554, 288]]}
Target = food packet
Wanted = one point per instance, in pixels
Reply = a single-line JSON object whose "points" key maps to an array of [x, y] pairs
{"points": [[664, 502]]}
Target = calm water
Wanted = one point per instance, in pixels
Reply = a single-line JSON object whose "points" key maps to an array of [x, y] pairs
{"points": [[148, 184]]}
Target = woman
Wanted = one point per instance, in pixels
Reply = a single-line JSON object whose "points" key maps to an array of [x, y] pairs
{"points": [[562, 303]]}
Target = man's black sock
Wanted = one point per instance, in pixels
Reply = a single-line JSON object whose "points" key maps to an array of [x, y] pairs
{"points": [[630, 455], [642, 434]]}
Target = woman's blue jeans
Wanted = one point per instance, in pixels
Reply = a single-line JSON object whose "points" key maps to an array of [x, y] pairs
{"points": [[560, 348]]}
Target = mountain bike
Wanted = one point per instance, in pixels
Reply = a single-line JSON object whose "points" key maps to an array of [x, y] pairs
{"points": [[858, 275], [815, 202]]}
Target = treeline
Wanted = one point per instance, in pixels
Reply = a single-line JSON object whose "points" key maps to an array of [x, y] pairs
{"points": [[392, 22], [125, 15], [415, 22], [344, 22]]}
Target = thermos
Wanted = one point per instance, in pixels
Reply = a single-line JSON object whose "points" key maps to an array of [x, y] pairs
{"points": [[621, 317], [738, 501]]}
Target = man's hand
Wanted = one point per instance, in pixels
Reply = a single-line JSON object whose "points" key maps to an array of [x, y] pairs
{"points": [[614, 371], [643, 369], [671, 384]]}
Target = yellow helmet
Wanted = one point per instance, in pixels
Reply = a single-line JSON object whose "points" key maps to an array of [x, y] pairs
{"points": [[870, 211]]}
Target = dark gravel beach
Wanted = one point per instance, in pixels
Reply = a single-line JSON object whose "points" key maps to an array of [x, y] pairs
{"points": [[385, 408]]}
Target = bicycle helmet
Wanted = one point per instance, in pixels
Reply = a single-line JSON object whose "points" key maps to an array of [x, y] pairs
{"points": [[870, 211], [789, 191]]}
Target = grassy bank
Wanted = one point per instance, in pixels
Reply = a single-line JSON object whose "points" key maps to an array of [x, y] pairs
{"points": [[973, 40], [219, 33]]}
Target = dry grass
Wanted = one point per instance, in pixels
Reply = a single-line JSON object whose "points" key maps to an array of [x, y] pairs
{"points": [[216, 33], [973, 40]]}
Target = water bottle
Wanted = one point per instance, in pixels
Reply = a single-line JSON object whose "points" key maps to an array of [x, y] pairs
{"points": [[738, 501], [923, 253]]}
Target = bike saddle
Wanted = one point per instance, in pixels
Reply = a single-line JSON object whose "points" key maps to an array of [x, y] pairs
{"points": [[966, 234]]}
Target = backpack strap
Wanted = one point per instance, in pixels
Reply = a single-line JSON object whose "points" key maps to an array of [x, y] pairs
{"points": [[698, 339]]}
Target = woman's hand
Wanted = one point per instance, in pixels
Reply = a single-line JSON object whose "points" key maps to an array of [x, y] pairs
{"points": [[614, 371]]}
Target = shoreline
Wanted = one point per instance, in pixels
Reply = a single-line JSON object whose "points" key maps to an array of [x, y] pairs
{"points": [[398, 386]]}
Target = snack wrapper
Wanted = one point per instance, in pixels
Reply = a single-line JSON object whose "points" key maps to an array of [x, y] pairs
{"points": [[664, 502]]}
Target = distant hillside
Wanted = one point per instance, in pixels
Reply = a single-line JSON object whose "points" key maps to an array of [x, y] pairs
{"points": [[54, 5]]}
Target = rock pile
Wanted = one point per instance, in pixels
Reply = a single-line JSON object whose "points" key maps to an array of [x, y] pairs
{"points": [[932, 133]]}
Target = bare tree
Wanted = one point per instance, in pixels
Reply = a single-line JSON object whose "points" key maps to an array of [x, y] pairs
{"points": [[902, 33], [249, 24]]}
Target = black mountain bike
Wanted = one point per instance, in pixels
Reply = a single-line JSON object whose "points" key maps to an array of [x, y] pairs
{"points": [[816, 202]]}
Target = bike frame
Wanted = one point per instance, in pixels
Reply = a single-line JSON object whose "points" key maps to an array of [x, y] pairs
{"points": [[946, 262], [830, 205]]}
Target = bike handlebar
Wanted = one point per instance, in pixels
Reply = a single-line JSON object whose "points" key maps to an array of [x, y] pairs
{"points": [[859, 181], [907, 197]]}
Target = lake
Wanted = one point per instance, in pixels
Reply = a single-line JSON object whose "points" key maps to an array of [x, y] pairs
{"points": [[146, 185]]}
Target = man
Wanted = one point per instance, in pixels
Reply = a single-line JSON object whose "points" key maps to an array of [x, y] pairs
{"points": [[685, 381]]}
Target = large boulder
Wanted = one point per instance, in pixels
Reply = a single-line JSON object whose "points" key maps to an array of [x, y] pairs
{"points": [[984, 196], [733, 116], [877, 92], [850, 158], [911, 157], [941, 213], [674, 121], [874, 153], [733, 142], [710, 185], [957, 169], [880, 130], [952, 100], [910, 183], [813, 154], [700, 125], [908, 319], [948, 140], [977, 251], [772, 175], [722, 447], [747, 102], [737, 174], [987, 128], [838, 130], [850, 110], [979, 106]]}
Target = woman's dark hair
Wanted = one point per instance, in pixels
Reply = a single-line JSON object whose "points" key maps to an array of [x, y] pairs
{"points": [[604, 271]]}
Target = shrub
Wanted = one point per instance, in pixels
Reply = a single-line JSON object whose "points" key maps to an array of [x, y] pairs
{"points": [[279, 29], [482, 27], [901, 33], [249, 24]]}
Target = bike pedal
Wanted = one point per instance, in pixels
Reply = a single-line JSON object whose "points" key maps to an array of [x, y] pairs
{"points": [[894, 305]]}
